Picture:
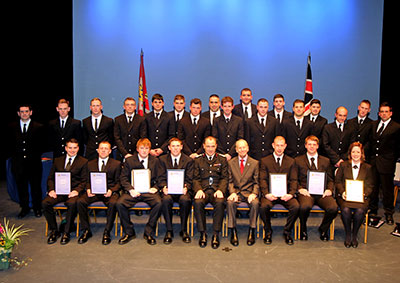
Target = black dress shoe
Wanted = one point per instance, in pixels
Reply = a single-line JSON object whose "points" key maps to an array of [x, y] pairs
{"points": [[203, 240], [65, 239], [168, 237], [126, 239], [37, 212], [354, 243], [54, 235], [347, 244], [149, 239], [185, 237], [215, 241], [389, 219], [86, 235], [234, 237], [324, 236], [288, 239], [24, 212], [106, 238], [303, 236], [268, 239], [251, 238]]}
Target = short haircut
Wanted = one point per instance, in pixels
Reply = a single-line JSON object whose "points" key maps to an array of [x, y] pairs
{"points": [[279, 138], [62, 100], [366, 101], [143, 142], [94, 99], [24, 105], [175, 139], [354, 144], [105, 142], [298, 101], [312, 138], [72, 141], [227, 99], [315, 101], [245, 89], [278, 95], [195, 101], [262, 100], [241, 140], [179, 97], [210, 138], [158, 97], [385, 104], [129, 98], [214, 95]]}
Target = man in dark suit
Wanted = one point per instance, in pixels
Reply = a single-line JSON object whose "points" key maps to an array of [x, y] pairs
{"points": [[278, 163], [112, 168], [385, 150], [295, 129], [260, 131], [243, 187], [227, 128], [192, 130], [179, 111], [159, 126], [131, 195], [279, 112], [26, 147], [312, 161], [96, 128], [77, 165], [214, 104], [318, 121], [176, 159], [210, 183], [63, 129], [128, 129], [245, 109]]}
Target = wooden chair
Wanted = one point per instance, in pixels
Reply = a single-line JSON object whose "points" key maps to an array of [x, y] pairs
{"points": [[242, 207], [175, 206], [140, 206], [59, 207], [279, 208], [317, 209], [208, 207], [365, 228], [99, 205]]}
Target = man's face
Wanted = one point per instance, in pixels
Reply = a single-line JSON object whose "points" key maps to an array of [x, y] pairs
{"points": [[179, 105], [279, 146], [385, 113], [279, 103], [72, 148], [298, 109], [363, 109], [210, 146], [242, 149], [96, 107], [312, 147], [158, 104], [227, 108], [24, 113], [63, 109], [143, 151], [175, 148], [341, 114], [195, 109], [129, 106], [315, 109], [104, 150], [262, 108], [214, 103], [246, 97]]}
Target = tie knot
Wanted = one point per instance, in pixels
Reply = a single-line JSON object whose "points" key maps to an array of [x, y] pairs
{"points": [[312, 159], [361, 121], [157, 115], [227, 120], [355, 167]]}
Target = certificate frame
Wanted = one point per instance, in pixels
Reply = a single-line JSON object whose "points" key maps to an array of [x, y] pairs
{"points": [[275, 180], [62, 182], [355, 196], [313, 187], [175, 181], [98, 183], [141, 183]]}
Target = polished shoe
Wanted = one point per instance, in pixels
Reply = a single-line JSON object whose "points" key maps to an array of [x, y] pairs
{"points": [[268, 239], [288, 239], [303, 236], [24, 212], [234, 237], [251, 237], [168, 237], [324, 236], [106, 238], [185, 237], [389, 219], [354, 243], [203, 240], [126, 239], [149, 239], [54, 235], [215, 241], [37, 212], [86, 235], [347, 244], [65, 239]]}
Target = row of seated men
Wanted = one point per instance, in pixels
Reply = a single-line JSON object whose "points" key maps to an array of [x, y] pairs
{"points": [[209, 178]]}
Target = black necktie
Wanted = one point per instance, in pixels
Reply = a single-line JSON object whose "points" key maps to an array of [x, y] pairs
{"points": [[214, 116], [313, 167], [340, 128], [68, 166], [262, 122], [103, 167], [278, 161], [227, 120], [313, 119], [381, 129], [194, 121], [62, 124], [210, 158], [175, 163], [130, 119], [298, 124], [177, 117], [157, 115], [361, 121], [355, 167], [246, 112], [142, 161], [278, 117], [95, 125], [24, 130]]}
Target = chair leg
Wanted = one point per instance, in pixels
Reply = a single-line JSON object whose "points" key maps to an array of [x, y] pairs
{"points": [[77, 226], [192, 224], [116, 224], [47, 229], [396, 191], [295, 230], [332, 236], [366, 228]]}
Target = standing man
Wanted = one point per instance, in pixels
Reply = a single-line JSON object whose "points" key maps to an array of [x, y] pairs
{"points": [[179, 111], [312, 161], [96, 128], [63, 129], [112, 168], [279, 111], [245, 109], [26, 147], [77, 165], [214, 104], [141, 160], [176, 159], [210, 183], [318, 121], [243, 187], [278, 163], [385, 150], [128, 129]]}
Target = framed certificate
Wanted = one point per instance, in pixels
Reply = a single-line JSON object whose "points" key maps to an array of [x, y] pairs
{"points": [[98, 182], [316, 182], [355, 190], [140, 180], [175, 181], [278, 184], [63, 183]]}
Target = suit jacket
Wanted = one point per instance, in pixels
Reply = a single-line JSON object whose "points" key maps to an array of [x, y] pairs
{"points": [[58, 136], [207, 114], [176, 123], [228, 133], [260, 138], [210, 174], [193, 136], [134, 163], [295, 137], [91, 139], [318, 125], [246, 183], [126, 135], [185, 162], [113, 170], [268, 165], [79, 173], [286, 115], [238, 110], [159, 131], [302, 166], [362, 132]]}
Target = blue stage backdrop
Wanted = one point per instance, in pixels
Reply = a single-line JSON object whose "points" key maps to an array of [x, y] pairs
{"points": [[200, 47]]}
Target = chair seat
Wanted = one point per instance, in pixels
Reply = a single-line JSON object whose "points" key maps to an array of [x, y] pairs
{"points": [[97, 205]]}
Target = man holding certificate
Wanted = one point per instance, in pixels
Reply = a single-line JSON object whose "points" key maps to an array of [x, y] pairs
{"points": [[139, 181], [354, 184], [243, 187], [313, 179], [210, 183], [67, 179], [275, 176], [176, 174], [103, 185]]}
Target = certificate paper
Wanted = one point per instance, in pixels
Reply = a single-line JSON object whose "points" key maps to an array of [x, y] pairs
{"points": [[63, 183], [316, 182], [141, 180], [278, 184], [176, 181], [354, 190], [98, 182]]}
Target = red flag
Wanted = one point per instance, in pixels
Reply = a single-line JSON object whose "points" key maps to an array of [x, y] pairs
{"points": [[308, 92], [143, 107]]}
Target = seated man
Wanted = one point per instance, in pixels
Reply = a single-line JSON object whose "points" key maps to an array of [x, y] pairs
{"points": [[210, 183], [131, 196], [243, 187], [77, 165], [312, 161], [176, 159], [112, 168], [280, 163]]}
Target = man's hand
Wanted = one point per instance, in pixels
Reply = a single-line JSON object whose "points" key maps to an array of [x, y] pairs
{"points": [[165, 190], [73, 194], [271, 197], [127, 155], [338, 163], [193, 155], [304, 192], [134, 193], [287, 197], [153, 190], [233, 197], [89, 193], [184, 190], [228, 157], [344, 195], [251, 198], [153, 152], [108, 194], [218, 194], [327, 193], [53, 194], [200, 194]]}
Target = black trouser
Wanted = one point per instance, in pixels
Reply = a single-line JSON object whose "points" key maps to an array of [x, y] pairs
{"points": [[385, 183], [48, 211], [218, 214], [355, 216], [185, 204]]}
